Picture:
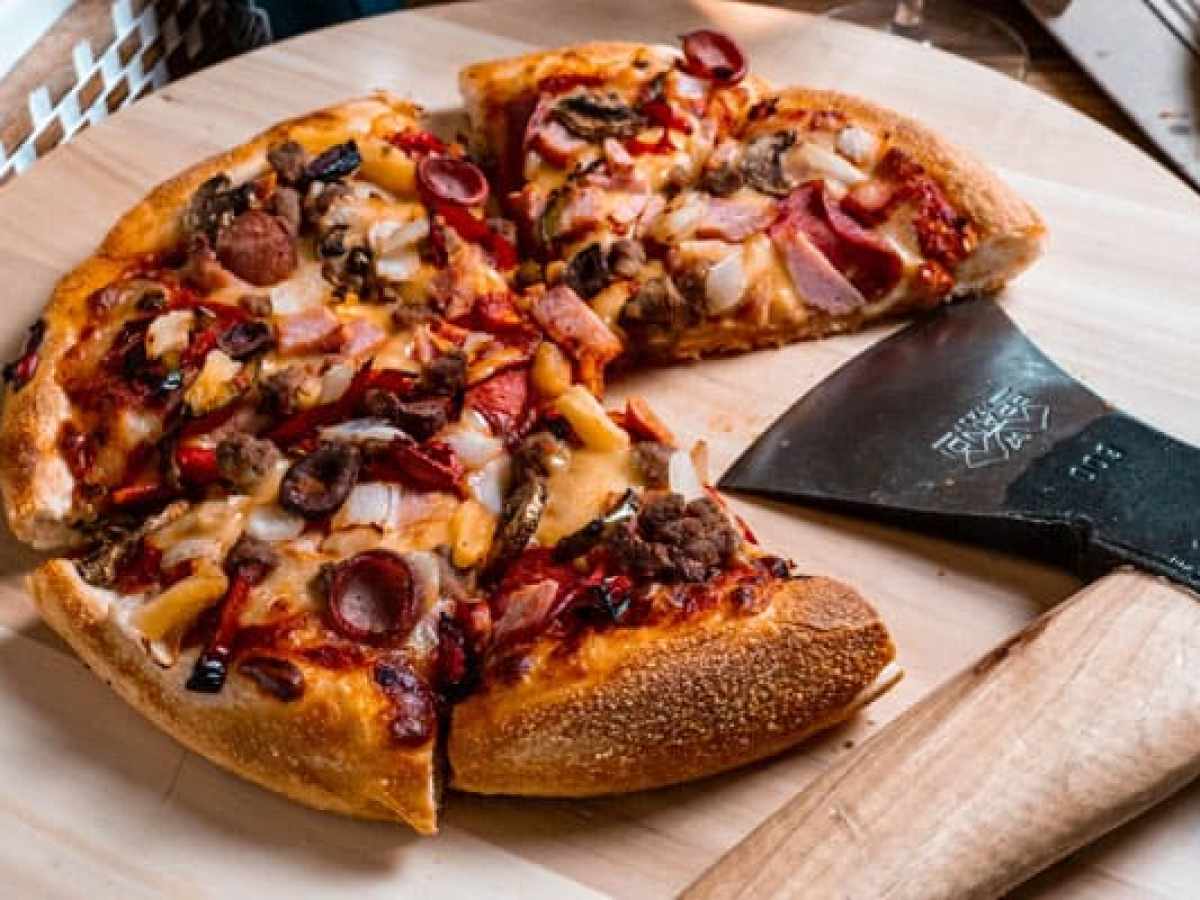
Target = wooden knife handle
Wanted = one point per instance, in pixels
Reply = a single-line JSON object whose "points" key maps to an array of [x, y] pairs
{"points": [[1080, 722]]}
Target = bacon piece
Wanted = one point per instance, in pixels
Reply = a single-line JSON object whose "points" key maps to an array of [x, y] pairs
{"points": [[861, 255], [573, 325], [581, 211], [361, 336], [872, 201], [501, 399], [816, 280], [735, 219], [618, 157], [526, 611], [555, 144], [308, 331]]}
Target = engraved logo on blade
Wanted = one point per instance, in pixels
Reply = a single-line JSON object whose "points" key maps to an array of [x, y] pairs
{"points": [[994, 429]]}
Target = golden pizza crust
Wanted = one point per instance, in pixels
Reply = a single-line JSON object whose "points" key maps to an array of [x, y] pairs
{"points": [[656, 707], [36, 484], [330, 749], [1010, 231]]}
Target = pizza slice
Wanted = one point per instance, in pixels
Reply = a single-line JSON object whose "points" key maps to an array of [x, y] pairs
{"points": [[807, 212], [328, 479]]}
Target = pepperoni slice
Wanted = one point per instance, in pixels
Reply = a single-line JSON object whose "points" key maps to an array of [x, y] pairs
{"points": [[713, 55], [371, 596], [452, 180]]}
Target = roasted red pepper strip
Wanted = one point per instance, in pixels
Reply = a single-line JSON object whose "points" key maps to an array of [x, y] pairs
{"points": [[197, 465], [501, 399], [139, 494], [208, 676], [660, 113], [477, 231], [302, 424], [139, 569], [433, 466], [416, 141], [208, 422]]}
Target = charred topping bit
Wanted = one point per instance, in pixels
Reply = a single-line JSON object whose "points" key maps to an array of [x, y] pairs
{"points": [[244, 460], [333, 242], [100, 565], [371, 597], [713, 55], [595, 116], [257, 247], [529, 272], [18, 372], [289, 160], [658, 305], [676, 541], [337, 162], [317, 484], [536, 456], [244, 339], [455, 672], [652, 460], [518, 521], [321, 198], [415, 713], [587, 273], [626, 258], [722, 180], [214, 206], [420, 419], [452, 180], [762, 163], [591, 534], [280, 678]]}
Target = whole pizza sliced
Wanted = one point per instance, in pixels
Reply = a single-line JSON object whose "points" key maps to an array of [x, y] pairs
{"points": [[766, 217], [335, 493]]}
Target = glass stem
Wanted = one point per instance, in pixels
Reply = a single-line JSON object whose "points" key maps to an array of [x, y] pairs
{"points": [[909, 15]]}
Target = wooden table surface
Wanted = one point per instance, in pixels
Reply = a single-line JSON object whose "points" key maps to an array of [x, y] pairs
{"points": [[94, 800]]}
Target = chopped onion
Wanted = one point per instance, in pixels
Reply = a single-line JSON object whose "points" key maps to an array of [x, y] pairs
{"points": [[191, 548], [398, 267], [370, 503], [388, 235], [489, 484], [273, 523], [474, 341], [304, 290], [809, 158], [725, 284], [474, 448], [682, 477], [335, 382], [361, 430], [857, 144], [427, 577], [689, 87], [169, 333]]}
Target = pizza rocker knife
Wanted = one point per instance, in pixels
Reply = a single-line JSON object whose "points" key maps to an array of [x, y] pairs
{"points": [[959, 425]]}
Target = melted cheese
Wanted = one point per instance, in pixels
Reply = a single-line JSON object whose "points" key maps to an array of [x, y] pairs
{"points": [[583, 490]]}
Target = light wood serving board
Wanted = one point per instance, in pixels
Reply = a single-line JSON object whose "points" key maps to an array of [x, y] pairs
{"points": [[94, 801]]}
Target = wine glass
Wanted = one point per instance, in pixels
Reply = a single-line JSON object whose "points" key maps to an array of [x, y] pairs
{"points": [[949, 25]]}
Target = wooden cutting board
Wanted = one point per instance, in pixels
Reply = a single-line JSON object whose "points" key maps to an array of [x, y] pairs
{"points": [[94, 800]]}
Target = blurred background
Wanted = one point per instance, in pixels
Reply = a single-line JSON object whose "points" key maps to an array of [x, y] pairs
{"points": [[67, 64]]}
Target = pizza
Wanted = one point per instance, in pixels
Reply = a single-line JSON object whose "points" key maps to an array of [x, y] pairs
{"points": [[319, 431], [697, 210]]}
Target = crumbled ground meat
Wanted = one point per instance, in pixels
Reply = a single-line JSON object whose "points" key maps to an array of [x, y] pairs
{"points": [[676, 541], [258, 305], [286, 203], [652, 460], [658, 304], [289, 160], [445, 376], [278, 392], [420, 419], [252, 558], [243, 459]]}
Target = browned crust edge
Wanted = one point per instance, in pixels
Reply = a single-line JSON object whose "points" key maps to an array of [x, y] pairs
{"points": [[34, 480], [1011, 233], [328, 750], [678, 706]]}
